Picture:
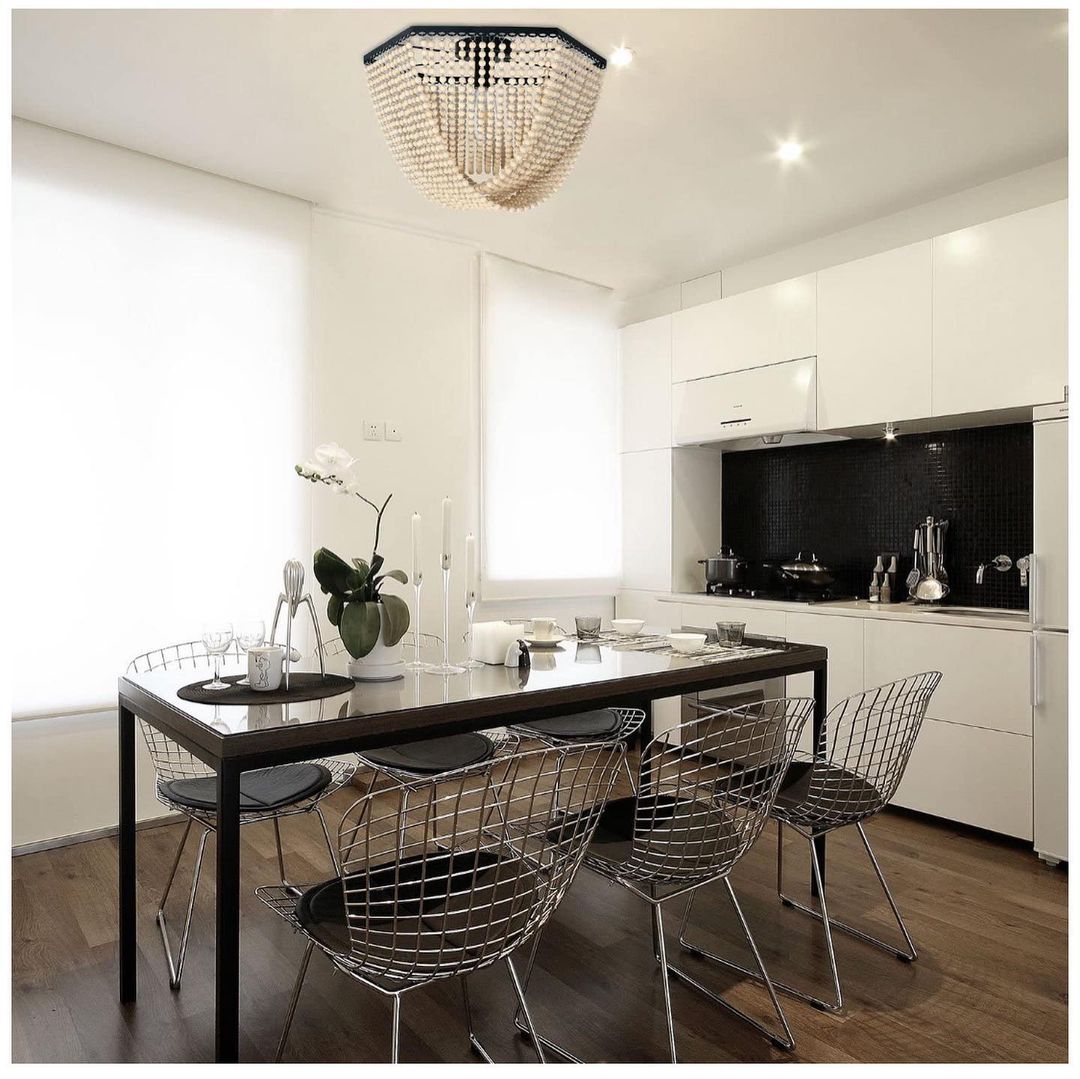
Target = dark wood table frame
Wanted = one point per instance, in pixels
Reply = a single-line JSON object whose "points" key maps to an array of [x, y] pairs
{"points": [[230, 754]]}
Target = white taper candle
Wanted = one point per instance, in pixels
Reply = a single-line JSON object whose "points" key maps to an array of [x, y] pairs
{"points": [[417, 572], [446, 533], [471, 580]]}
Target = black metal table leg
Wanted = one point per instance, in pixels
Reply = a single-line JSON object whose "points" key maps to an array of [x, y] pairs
{"points": [[127, 855], [227, 1018], [821, 707]]}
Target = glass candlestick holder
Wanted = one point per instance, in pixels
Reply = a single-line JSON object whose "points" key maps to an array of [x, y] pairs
{"points": [[416, 663], [446, 667], [470, 612]]}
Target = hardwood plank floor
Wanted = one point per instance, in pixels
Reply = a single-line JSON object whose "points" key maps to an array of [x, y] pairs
{"points": [[988, 918]]}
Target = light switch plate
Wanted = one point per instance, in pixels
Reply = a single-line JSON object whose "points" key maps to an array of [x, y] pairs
{"points": [[393, 432], [374, 431]]}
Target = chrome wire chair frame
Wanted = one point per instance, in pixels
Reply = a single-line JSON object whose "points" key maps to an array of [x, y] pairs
{"points": [[702, 796], [860, 758], [411, 909], [172, 762]]}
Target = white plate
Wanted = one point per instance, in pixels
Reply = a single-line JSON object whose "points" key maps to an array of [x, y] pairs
{"points": [[547, 642]]}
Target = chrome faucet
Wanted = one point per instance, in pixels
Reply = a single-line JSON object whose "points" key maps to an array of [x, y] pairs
{"points": [[1003, 563]]}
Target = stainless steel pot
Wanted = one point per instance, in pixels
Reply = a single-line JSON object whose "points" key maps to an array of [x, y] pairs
{"points": [[807, 572], [723, 568]]}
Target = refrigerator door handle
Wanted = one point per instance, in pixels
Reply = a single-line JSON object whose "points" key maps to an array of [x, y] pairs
{"points": [[1034, 670]]}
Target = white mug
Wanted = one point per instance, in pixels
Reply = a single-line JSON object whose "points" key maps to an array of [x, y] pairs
{"points": [[264, 666], [543, 629]]}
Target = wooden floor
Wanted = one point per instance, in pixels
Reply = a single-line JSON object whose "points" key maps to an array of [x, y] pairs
{"points": [[988, 918]]}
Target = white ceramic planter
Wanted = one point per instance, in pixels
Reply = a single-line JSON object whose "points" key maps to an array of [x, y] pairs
{"points": [[382, 663]]}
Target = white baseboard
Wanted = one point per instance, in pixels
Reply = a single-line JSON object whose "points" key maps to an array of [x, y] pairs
{"points": [[87, 837]]}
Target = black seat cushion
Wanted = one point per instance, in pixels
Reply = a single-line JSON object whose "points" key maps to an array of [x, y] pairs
{"points": [[601, 723], [433, 755], [421, 885], [260, 790], [818, 792]]}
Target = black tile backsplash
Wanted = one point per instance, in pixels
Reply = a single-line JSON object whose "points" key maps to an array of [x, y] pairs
{"points": [[850, 500]]}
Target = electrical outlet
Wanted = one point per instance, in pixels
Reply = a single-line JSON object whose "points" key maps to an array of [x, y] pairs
{"points": [[393, 432], [374, 431]]}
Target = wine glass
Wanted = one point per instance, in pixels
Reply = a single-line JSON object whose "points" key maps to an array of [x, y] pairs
{"points": [[250, 633], [217, 636]]}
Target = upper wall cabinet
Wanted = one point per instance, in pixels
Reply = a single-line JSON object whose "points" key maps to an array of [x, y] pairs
{"points": [[645, 385], [1000, 299], [873, 338], [751, 329]]}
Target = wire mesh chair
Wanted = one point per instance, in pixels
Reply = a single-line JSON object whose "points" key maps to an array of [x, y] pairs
{"points": [[864, 747], [186, 785], [407, 910], [702, 796]]}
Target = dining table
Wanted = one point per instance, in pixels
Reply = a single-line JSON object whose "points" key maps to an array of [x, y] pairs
{"points": [[234, 738]]}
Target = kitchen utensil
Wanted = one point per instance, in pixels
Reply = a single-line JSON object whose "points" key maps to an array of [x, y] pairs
{"points": [[807, 572], [686, 642], [730, 632], [545, 628], [723, 568], [931, 588], [628, 627], [588, 627], [544, 642]]}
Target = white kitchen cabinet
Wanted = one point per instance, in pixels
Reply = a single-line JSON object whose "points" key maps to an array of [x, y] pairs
{"points": [[873, 338], [751, 329], [759, 621], [972, 775], [986, 673], [645, 385], [646, 520], [843, 637], [1050, 745], [1000, 305]]}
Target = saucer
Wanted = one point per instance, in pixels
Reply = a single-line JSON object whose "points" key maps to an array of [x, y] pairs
{"points": [[546, 642]]}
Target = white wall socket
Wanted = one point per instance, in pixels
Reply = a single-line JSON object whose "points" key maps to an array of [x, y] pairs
{"points": [[374, 431], [393, 432]]}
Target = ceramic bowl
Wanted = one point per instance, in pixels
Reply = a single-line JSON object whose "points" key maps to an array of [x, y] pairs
{"points": [[628, 627], [686, 642]]}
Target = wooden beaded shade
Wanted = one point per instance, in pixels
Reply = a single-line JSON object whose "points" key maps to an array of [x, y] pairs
{"points": [[484, 116]]}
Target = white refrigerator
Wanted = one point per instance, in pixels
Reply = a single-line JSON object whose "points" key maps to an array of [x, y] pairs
{"points": [[1050, 639]]}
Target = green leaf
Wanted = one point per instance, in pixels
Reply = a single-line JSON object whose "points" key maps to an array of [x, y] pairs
{"points": [[334, 610], [334, 574], [360, 624], [397, 619], [397, 574], [361, 567], [376, 563]]}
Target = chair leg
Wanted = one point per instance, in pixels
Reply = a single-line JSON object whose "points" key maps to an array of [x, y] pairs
{"points": [[817, 1002], [474, 1042], [281, 860], [395, 1033], [176, 967], [297, 986], [329, 841], [658, 941], [519, 1022], [525, 1011], [908, 956], [783, 1040]]}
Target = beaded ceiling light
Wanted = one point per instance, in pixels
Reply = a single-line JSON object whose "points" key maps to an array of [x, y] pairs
{"points": [[484, 116]]}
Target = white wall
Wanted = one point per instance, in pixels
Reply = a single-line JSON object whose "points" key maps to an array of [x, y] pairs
{"points": [[1011, 194]]}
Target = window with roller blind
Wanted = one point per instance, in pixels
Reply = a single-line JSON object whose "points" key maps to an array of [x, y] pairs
{"points": [[161, 400], [549, 439]]}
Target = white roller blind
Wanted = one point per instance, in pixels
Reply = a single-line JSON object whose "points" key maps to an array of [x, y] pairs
{"points": [[550, 463], [160, 402]]}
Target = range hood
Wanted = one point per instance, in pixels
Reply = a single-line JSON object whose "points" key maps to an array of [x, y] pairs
{"points": [[774, 405]]}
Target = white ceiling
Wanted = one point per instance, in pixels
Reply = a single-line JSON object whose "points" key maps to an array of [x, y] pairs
{"points": [[676, 177]]}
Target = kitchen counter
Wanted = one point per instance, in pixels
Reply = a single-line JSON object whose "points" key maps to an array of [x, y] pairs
{"points": [[982, 618]]}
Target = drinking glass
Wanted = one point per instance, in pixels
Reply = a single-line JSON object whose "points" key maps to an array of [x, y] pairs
{"points": [[730, 632], [588, 628], [249, 634], [217, 636]]}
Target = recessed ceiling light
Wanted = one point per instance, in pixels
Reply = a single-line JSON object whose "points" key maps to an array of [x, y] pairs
{"points": [[789, 151], [621, 57]]}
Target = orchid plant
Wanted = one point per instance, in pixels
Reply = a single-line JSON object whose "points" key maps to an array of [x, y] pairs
{"points": [[357, 602]]}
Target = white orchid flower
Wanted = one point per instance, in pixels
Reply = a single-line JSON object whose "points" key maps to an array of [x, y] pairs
{"points": [[333, 459]]}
